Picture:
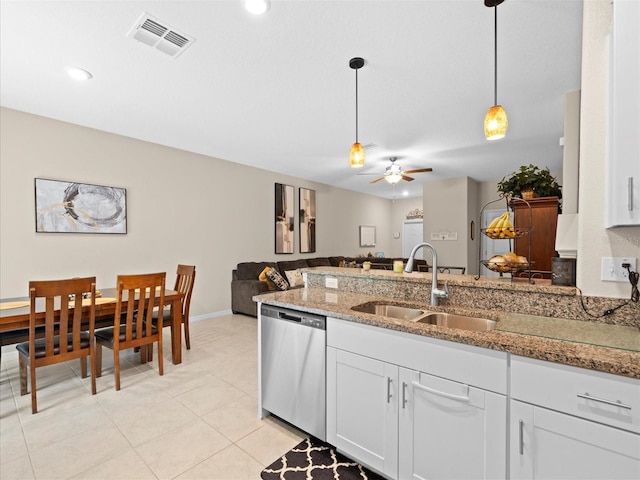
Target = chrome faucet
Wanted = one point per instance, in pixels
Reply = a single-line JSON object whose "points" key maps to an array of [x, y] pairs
{"points": [[435, 292]]}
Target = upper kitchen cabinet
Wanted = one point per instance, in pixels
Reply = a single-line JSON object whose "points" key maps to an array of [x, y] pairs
{"points": [[623, 163]]}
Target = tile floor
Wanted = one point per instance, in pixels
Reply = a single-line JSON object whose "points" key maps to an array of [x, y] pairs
{"points": [[198, 421]]}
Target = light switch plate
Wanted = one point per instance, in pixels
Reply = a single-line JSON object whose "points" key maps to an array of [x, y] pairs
{"points": [[612, 270]]}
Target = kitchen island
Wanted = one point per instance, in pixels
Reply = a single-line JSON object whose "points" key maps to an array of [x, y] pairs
{"points": [[547, 331], [547, 393]]}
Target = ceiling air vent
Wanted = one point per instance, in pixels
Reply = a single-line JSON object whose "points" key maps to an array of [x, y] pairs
{"points": [[160, 35]]}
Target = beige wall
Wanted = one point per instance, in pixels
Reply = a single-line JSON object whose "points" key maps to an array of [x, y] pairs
{"points": [[594, 241], [450, 205], [182, 208]]}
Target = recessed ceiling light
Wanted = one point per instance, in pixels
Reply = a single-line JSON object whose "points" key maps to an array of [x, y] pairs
{"points": [[257, 7], [78, 73], [405, 193]]}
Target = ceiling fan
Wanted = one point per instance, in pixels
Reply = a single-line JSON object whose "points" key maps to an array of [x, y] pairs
{"points": [[394, 173]]}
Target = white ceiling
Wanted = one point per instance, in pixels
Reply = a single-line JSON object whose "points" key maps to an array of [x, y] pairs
{"points": [[276, 91]]}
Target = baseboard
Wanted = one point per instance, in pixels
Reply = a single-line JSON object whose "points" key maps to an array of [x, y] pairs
{"points": [[205, 316]]}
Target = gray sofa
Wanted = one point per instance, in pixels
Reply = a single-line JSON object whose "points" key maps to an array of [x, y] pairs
{"points": [[245, 284]]}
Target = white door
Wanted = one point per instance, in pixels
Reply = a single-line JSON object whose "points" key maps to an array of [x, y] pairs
{"points": [[491, 247], [550, 445], [412, 235], [449, 430], [363, 410]]}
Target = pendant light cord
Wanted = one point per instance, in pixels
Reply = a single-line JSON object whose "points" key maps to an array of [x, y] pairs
{"points": [[495, 56], [356, 105]]}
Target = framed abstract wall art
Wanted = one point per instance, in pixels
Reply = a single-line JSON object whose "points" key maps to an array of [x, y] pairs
{"points": [[71, 207], [284, 214], [307, 220]]}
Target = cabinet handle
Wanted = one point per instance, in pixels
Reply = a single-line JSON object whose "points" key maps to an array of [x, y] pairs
{"points": [[617, 403], [389, 394], [521, 427], [630, 195], [460, 398], [404, 394]]}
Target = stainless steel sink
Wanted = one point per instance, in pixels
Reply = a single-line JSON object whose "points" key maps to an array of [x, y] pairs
{"points": [[451, 320], [389, 310]]}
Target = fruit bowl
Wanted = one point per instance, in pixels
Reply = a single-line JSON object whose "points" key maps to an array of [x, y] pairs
{"points": [[502, 267], [505, 232]]}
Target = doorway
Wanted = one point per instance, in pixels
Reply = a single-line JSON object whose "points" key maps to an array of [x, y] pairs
{"points": [[412, 234]]}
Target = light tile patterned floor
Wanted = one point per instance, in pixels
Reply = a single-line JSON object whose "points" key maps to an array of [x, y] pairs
{"points": [[198, 421]]}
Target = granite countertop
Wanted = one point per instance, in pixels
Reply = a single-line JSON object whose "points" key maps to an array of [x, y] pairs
{"points": [[607, 348]]}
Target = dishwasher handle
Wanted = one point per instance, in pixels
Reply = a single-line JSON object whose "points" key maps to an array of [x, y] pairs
{"points": [[287, 316]]}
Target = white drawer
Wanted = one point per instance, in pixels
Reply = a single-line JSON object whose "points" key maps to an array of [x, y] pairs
{"points": [[609, 399], [475, 366]]}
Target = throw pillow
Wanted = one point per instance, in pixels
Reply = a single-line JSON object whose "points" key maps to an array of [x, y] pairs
{"points": [[263, 278], [294, 277], [277, 279]]}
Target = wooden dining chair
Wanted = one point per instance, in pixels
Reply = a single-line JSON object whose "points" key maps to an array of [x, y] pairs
{"points": [[185, 278], [63, 338], [134, 326]]}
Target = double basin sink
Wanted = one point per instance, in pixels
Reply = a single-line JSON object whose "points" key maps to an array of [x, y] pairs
{"points": [[409, 314]]}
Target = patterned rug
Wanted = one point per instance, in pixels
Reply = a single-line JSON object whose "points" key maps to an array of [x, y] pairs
{"points": [[313, 459]]}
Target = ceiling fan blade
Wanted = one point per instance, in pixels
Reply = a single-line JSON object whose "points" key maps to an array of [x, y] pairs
{"points": [[377, 179], [408, 179], [419, 170], [370, 173]]}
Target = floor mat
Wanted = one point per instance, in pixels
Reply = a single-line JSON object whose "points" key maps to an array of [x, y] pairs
{"points": [[313, 459]]}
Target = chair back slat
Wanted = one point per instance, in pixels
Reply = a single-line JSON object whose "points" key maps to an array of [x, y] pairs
{"points": [[185, 278], [63, 317], [147, 291]]}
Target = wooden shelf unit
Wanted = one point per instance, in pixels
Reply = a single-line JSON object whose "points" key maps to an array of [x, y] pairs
{"points": [[544, 220]]}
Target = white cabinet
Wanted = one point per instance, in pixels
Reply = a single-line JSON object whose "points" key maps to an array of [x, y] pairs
{"points": [[571, 423], [548, 444], [386, 412], [623, 163], [364, 408], [449, 429]]}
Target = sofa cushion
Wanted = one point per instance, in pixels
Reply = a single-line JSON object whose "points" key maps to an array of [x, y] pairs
{"points": [[318, 262], [276, 278], [287, 265], [336, 261], [294, 277], [252, 270], [263, 278]]}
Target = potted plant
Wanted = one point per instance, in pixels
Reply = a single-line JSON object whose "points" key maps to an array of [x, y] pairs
{"points": [[530, 181]]}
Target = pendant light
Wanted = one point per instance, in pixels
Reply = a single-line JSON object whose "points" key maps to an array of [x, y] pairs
{"points": [[495, 122], [356, 155]]}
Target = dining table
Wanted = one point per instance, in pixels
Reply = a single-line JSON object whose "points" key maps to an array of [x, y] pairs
{"points": [[14, 314]]}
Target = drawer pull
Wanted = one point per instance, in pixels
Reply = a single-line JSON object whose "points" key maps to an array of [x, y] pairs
{"points": [[617, 403], [389, 395], [460, 398]]}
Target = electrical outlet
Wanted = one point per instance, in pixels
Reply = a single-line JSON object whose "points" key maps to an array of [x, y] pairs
{"points": [[331, 282], [612, 270]]}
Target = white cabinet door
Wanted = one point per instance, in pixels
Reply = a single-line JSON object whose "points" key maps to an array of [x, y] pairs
{"points": [[363, 410], [450, 430], [551, 445], [623, 164]]}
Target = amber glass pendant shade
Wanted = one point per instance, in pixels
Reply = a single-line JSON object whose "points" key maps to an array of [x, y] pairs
{"points": [[356, 155], [495, 123]]}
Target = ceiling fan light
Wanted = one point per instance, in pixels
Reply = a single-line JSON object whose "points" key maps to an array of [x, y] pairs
{"points": [[495, 123], [356, 155], [257, 7], [393, 178]]}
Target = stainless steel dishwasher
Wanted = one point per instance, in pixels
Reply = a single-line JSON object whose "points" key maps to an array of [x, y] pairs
{"points": [[292, 356]]}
